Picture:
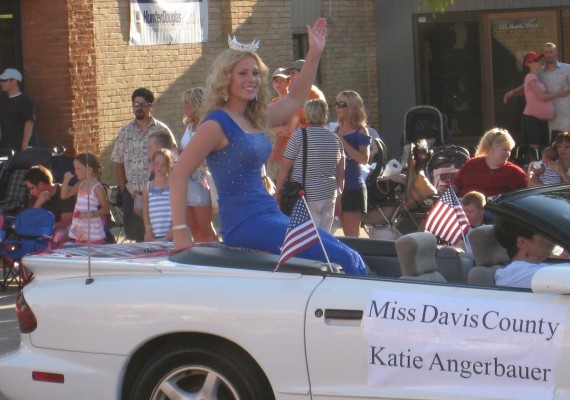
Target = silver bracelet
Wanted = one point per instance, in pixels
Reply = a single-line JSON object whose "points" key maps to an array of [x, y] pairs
{"points": [[179, 227]]}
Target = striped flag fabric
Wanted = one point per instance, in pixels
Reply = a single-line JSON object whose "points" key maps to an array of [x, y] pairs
{"points": [[446, 219], [301, 232]]}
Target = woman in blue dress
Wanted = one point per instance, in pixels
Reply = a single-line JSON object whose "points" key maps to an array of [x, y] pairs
{"points": [[232, 139]]}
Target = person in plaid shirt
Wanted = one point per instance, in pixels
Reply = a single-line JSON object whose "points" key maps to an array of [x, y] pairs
{"points": [[130, 156]]}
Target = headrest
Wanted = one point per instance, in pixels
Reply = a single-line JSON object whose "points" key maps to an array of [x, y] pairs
{"points": [[485, 246], [416, 253]]}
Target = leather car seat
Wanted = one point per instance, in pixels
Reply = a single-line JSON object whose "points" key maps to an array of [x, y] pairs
{"points": [[416, 254], [489, 256]]}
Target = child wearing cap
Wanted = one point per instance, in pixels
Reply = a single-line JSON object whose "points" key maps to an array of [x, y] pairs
{"points": [[539, 107]]}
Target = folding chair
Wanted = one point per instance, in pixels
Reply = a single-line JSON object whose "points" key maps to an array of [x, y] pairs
{"points": [[32, 231]]}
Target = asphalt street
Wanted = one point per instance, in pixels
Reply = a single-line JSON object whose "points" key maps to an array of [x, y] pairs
{"points": [[9, 331]]}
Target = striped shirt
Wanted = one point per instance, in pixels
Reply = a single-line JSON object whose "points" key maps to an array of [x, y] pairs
{"points": [[324, 151], [159, 210], [549, 177]]}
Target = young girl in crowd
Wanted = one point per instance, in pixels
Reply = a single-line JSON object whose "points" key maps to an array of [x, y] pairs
{"points": [[91, 205], [156, 199]]}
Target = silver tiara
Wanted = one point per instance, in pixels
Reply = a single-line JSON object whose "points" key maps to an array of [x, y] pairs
{"points": [[235, 45]]}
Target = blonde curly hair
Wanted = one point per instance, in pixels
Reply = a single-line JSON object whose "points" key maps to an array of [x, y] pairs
{"points": [[218, 86], [492, 137], [196, 97]]}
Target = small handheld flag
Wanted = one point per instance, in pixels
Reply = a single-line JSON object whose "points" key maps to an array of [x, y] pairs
{"points": [[301, 232], [446, 219]]}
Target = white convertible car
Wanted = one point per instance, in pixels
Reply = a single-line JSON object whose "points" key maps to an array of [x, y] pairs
{"points": [[138, 322]]}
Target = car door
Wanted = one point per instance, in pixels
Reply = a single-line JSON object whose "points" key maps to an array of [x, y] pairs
{"points": [[392, 339]]}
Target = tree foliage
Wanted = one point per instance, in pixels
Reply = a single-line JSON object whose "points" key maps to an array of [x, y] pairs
{"points": [[435, 5]]}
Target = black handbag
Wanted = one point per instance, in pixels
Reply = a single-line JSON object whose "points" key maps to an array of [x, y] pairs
{"points": [[290, 190]]}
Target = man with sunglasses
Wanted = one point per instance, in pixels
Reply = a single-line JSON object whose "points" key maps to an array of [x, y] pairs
{"points": [[17, 114], [131, 158]]}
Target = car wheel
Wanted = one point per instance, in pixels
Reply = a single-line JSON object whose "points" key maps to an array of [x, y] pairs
{"points": [[182, 372]]}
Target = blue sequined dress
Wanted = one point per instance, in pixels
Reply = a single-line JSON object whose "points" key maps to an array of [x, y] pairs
{"points": [[248, 213]]}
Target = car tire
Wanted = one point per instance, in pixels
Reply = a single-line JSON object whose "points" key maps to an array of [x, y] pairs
{"points": [[216, 373]]}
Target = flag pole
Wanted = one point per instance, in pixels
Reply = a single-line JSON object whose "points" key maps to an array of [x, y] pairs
{"points": [[319, 236]]}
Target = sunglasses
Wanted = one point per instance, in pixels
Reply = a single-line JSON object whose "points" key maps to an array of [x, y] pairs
{"points": [[341, 104], [143, 104]]}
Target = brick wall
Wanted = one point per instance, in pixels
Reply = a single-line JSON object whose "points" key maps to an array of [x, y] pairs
{"points": [[350, 59], [83, 78], [45, 43], [169, 70], [81, 71]]}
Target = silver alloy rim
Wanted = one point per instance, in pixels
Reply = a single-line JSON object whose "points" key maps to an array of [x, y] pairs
{"points": [[195, 382]]}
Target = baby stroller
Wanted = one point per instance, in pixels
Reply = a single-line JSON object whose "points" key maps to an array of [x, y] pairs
{"points": [[444, 163], [426, 122], [394, 204]]}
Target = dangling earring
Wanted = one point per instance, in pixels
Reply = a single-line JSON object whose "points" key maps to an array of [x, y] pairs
{"points": [[256, 98], [226, 98]]}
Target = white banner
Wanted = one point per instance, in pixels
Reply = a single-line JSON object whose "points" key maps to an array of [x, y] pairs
{"points": [[168, 21], [497, 349]]}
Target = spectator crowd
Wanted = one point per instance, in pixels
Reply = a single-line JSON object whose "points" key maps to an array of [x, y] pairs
{"points": [[326, 157]]}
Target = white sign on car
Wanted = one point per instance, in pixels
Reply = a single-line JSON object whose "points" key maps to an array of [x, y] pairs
{"points": [[502, 348]]}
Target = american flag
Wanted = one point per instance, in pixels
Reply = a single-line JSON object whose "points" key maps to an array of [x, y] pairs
{"points": [[446, 219], [301, 232]]}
